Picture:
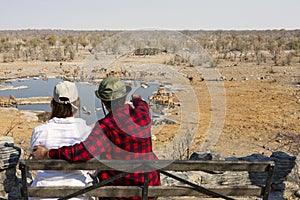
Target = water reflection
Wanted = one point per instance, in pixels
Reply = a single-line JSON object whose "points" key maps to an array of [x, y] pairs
{"points": [[92, 105]]}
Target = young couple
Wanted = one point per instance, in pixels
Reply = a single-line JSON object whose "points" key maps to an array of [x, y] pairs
{"points": [[124, 133]]}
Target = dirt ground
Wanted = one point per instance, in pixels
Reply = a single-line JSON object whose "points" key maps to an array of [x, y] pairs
{"points": [[262, 109]]}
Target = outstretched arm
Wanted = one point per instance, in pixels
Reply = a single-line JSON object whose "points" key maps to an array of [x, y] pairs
{"points": [[95, 144], [73, 153], [141, 113]]}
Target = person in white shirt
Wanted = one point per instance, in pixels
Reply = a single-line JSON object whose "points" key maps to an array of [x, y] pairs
{"points": [[63, 129]]}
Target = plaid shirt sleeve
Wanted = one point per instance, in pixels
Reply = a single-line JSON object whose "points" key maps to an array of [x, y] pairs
{"points": [[141, 114], [74, 153]]}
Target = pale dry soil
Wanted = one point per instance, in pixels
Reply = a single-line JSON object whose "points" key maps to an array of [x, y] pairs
{"points": [[262, 110]]}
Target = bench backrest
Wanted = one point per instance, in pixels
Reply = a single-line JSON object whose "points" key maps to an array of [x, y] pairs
{"points": [[164, 166]]}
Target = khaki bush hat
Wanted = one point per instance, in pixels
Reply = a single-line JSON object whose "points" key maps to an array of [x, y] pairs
{"points": [[112, 88], [65, 92]]}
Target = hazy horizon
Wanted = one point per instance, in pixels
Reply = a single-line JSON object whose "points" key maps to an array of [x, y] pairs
{"points": [[44, 29], [150, 15]]}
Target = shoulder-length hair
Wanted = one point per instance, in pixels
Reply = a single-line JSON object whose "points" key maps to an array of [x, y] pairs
{"points": [[63, 110]]}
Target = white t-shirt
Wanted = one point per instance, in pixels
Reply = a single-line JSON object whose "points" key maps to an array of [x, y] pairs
{"points": [[56, 133]]}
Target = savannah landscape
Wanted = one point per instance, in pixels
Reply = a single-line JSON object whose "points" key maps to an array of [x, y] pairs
{"points": [[260, 71]]}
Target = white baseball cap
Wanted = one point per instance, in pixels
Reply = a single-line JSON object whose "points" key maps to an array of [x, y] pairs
{"points": [[65, 92]]}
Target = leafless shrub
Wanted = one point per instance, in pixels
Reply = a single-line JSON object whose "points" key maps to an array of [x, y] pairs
{"points": [[13, 123]]}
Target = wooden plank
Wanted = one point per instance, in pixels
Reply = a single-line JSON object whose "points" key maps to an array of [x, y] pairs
{"points": [[166, 191], [267, 189], [24, 190], [217, 166], [125, 165]]}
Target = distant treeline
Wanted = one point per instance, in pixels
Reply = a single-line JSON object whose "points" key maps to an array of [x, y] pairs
{"points": [[279, 47]]}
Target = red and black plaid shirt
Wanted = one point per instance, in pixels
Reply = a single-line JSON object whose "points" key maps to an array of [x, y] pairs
{"points": [[124, 134]]}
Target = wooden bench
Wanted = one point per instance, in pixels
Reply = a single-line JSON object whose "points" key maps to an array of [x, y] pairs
{"points": [[165, 167]]}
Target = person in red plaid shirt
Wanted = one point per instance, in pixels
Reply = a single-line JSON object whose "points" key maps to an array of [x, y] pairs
{"points": [[123, 134]]}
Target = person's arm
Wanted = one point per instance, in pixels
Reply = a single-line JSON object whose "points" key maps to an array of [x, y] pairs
{"points": [[74, 153], [36, 136], [95, 144], [141, 110]]}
